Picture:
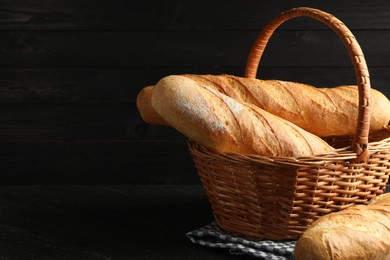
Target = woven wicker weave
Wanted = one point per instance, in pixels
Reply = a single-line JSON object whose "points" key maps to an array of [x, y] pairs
{"points": [[279, 197]]}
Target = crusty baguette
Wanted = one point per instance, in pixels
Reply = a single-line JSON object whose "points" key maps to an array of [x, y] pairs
{"points": [[147, 112], [356, 233], [321, 111], [217, 121]]}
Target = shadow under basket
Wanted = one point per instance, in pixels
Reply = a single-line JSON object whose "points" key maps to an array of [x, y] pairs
{"points": [[277, 198]]}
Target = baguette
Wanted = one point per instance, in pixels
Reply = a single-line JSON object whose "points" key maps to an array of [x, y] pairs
{"points": [[321, 111], [222, 123], [359, 233], [147, 112]]}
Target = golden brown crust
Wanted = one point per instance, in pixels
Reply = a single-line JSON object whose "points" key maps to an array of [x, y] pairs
{"points": [[147, 112], [217, 121], [359, 232], [321, 111]]}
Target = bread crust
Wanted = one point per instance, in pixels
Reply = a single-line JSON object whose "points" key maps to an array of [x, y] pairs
{"points": [[220, 122], [147, 112], [360, 232], [322, 111]]}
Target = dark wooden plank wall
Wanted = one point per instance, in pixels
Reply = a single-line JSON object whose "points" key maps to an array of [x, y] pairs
{"points": [[70, 71]]}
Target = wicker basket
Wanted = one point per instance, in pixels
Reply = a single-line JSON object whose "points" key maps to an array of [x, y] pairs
{"points": [[279, 197]]}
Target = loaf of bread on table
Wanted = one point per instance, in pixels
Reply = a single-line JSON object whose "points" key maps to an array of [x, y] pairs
{"points": [[356, 233], [222, 123], [321, 111]]}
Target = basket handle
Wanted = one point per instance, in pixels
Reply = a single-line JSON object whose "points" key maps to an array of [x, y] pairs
{"points": [[360, 142]]}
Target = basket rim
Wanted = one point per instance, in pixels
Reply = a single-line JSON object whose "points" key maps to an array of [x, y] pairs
{"points": [[336, 155]]}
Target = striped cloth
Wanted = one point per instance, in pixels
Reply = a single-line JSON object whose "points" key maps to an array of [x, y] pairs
{"points": [[213, 236]]}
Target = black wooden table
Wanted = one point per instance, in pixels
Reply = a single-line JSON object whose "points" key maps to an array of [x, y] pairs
{"points": [[103, 222]]}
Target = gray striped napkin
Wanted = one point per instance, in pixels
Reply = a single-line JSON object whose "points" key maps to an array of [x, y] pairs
{"points": [[213, 236]]}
